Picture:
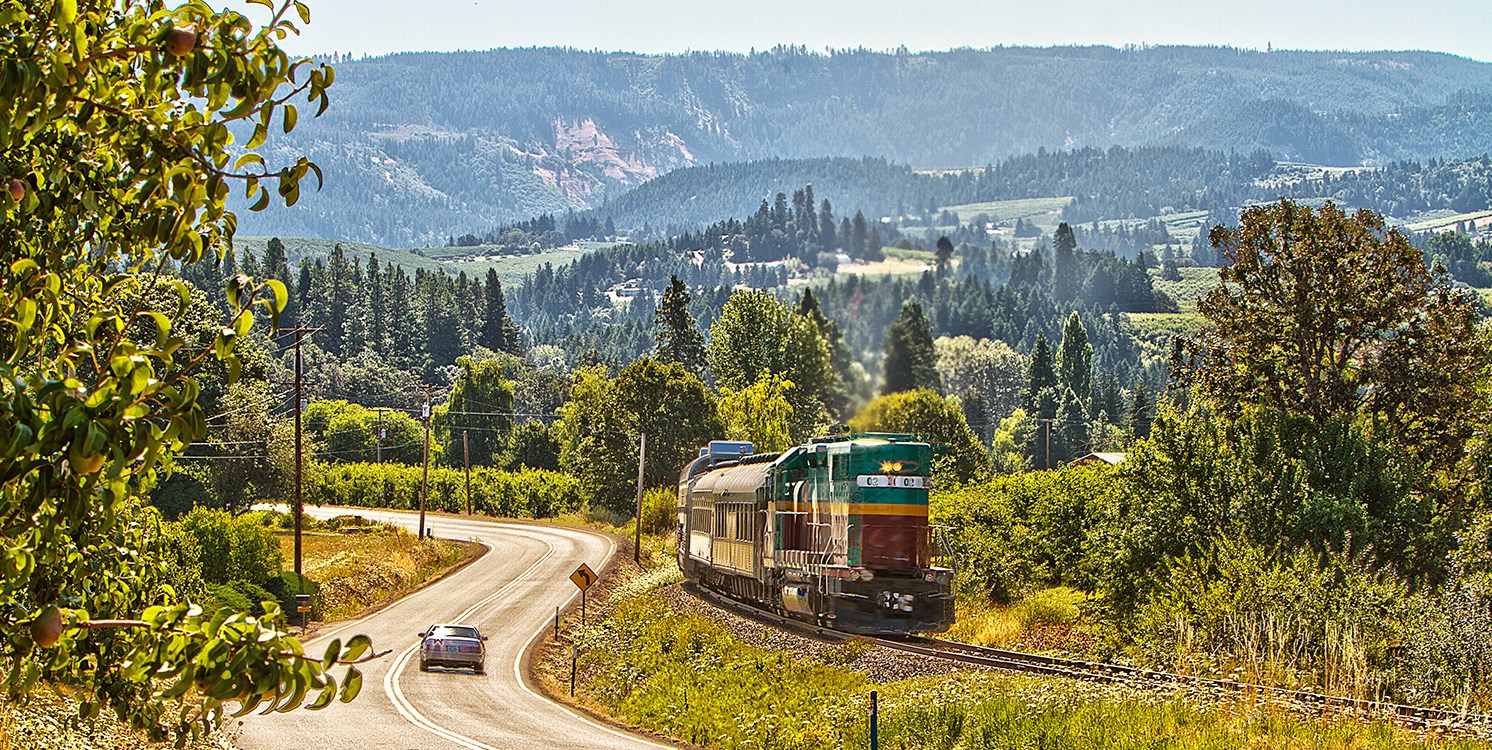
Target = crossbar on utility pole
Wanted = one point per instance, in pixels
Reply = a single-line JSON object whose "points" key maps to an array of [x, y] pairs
{"points": [[380, 435], [642, 453], [299, 503]]}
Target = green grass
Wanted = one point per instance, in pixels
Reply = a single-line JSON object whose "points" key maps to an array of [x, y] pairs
{"points": [[1195, 283], [683, 675], [1436, 219], [902, 253], [1043, 212], [1149, 324], [306, 247], [510, 268]]}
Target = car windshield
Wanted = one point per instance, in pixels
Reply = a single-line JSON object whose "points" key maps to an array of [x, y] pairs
{"points": [[453, 631]]}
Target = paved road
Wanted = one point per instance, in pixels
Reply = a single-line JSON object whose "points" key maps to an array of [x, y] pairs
{"points": [[510, 593]]}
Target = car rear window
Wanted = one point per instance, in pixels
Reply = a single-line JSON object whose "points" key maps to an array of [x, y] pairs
{"points": [[454, 632]]}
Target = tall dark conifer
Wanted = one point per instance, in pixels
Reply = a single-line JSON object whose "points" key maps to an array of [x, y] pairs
{"points": [[1041, 376], [911, 361], [678, 340], [1065, 281]]}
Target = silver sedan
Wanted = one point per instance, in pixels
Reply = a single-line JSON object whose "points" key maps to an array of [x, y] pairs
{"points": [[459, 646]]}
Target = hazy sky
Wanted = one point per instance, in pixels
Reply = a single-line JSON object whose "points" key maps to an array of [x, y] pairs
{"points": [[1461, 27]]}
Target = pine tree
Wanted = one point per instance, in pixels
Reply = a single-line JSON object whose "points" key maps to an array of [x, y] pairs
{"points": [[943, 256], [1070, 430], [826, 226], [859, 236], [277, 266], [836, 396], [911, 361], [495, 322], [678, 340], [1075, 361], [1141, 413], [1065, 281], [1041, 376], [378, 314]]}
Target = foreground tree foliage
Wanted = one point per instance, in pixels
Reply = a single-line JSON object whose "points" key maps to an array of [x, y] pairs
{"points": [[115, 154], [1326, 315]]}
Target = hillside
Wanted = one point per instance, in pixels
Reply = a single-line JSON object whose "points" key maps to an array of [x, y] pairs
{"points": [[415, 145]]}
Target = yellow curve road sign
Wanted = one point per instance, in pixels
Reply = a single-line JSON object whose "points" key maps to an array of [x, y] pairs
{"points": [[583, 577]]}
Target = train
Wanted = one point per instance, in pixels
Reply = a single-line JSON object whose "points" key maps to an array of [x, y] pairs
{"points": [[833, 532]]}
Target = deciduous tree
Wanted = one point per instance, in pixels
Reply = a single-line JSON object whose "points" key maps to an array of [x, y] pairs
{"points": [[115, 137], [1324, 314]]}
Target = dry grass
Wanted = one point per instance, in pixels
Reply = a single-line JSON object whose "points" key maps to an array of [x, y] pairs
{"points": [[891, 266], [361, 570], [1050, 620]]}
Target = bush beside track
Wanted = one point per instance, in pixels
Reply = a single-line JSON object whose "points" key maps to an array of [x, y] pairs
{"points": [[658, 658]]}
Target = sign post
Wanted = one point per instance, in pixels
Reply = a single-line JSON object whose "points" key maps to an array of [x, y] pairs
{"points": [[583, 577]]}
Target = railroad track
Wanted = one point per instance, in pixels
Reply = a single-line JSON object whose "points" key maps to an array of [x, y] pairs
{"points": [[1017, 661]]}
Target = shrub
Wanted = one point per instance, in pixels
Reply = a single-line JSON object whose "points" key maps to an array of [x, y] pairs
{"points": [[286, 585], [529, 493], [232, 548], [660, 510], [239, 596], [1016, 532]]}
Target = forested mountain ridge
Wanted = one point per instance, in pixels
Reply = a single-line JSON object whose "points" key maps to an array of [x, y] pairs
{"points": [[417, 143]]}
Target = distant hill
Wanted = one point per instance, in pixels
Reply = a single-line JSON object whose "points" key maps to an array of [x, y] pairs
{"points": [[416, 146]]}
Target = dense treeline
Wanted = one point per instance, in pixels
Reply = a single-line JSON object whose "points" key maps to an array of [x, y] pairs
{"points": [[1306, 518], [419, 146]]}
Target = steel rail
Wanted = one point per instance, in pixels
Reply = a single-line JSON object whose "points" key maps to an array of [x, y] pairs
{"points": [[1092, 671]]}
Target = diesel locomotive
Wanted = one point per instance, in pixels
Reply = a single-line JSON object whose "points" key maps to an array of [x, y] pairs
{"points": [[833, 533]]}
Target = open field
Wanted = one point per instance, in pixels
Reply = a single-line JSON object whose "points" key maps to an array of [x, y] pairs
{"points": [[307, 247], [1148, 324], [452, 260], [1195, 283], [511, 268], [1043, 212], [891, 266], [1444, 221]]}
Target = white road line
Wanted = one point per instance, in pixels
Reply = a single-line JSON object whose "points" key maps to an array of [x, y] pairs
{"points": [[412, 715], [518, 675], [391, 679]]}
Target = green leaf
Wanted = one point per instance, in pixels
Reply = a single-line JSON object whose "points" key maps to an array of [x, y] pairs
{"points": [[333, 650], [290, 117], [352, 684], [356, 647], [67, 12]]}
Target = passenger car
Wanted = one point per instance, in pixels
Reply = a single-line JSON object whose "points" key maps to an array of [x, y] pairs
{"points": [[447, 645]]}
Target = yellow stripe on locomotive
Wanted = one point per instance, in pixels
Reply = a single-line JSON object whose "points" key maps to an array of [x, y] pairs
{"points": [[834, 531]]}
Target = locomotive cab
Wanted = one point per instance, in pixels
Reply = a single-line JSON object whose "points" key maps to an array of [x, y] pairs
{"points": [[834, 532]]}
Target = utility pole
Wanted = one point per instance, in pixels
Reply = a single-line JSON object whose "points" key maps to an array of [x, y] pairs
{"points": [[642, 453], [299, 504], [425, 479], [380, 435], [1048, 423], [466, 459]]}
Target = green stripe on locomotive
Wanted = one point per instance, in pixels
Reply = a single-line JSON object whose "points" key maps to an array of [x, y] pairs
{"points": [[830, 469]]}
